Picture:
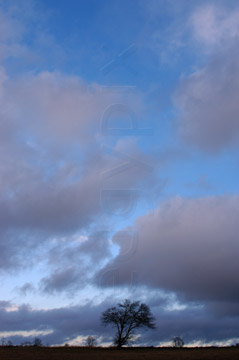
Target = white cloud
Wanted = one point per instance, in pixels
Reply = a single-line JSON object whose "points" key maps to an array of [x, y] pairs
{"points": [[26, 334], [214, 25]]}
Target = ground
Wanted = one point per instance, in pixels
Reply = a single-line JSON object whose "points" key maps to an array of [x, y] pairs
{"points": [[76, 353]]}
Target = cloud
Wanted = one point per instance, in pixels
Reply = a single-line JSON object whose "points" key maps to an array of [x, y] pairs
{"points": [[26, 288], [54, 170], [63, 108], [213, 25], [61, 325], [72, 263], [208, 104], [55, 175], [187, 246], [207, 98], [25, 40], [60, 189], [11, 33], [60, 280]]}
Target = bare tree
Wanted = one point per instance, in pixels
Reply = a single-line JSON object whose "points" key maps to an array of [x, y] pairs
{"points": [[127, 317], [178, 342], [37, 342], [91, 341]]}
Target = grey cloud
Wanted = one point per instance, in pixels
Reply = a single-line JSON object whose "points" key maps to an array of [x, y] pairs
{"points": [[13, 249], [206, 99], [4, 304], [73, 263], [60, 280], [96, 246], [188, 246], [26, 288], [194, 323], [208, 103], [45, 186], [60, 206], [66, 323], [51, 162]]}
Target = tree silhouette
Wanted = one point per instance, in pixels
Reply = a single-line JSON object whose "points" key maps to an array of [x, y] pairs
{"points": [[91, 341], [127, 317], [37, 342], [178, 342]]}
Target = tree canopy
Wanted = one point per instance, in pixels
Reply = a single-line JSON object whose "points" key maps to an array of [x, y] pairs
{"points": [[127, 317]]}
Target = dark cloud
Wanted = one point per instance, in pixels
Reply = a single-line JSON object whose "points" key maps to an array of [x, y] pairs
{"points": [[65, 323], [188, 246], [73, 262], [4, 304], [60, 280], [193, 323]]}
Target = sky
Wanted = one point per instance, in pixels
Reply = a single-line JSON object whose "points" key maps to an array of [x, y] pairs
{"points": [[119, 170]]}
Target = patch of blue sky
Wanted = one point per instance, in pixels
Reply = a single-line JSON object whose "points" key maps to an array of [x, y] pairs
{"points": [[202, 175]]}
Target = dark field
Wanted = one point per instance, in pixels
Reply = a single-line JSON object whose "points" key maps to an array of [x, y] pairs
{"points": [[75, 353]]}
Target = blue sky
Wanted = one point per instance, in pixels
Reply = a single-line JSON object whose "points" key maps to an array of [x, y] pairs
{"points": [[119, 169]]}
